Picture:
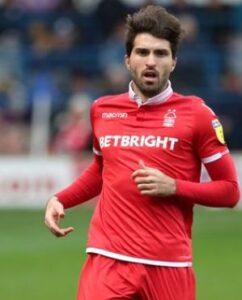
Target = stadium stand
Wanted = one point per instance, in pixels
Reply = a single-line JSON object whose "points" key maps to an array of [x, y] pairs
{"points": [[44, 48]]}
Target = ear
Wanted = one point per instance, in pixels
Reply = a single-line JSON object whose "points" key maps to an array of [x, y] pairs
{"points": [[174, 64], [127, 61]]}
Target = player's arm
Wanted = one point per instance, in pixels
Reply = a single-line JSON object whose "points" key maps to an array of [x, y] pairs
{"points": [[210, 146], [84, 188], [53, 214], [152, 182], [222, 191]]}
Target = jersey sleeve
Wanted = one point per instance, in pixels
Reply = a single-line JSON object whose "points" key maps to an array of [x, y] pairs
{"points": [[87, 186], [96, 148], [209, 139], [222, 191]]}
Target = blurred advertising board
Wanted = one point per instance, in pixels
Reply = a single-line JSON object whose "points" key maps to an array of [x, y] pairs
{"points": [[28, 182]]}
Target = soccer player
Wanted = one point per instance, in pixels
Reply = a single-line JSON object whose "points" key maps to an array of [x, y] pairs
{"points": [[149, 145]]}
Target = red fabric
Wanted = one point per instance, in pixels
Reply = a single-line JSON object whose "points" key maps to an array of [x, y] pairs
{"points": [[168, 136], [205, 140], [222, 191], [85, 187], [105, 278]]}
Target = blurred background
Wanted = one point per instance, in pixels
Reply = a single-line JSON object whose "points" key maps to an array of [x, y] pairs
{"points": [[56, 58]]}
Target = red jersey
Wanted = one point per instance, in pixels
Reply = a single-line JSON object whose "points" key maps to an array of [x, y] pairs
{"points": [[169, 132]]}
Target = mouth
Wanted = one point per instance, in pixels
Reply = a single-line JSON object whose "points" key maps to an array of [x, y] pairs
{"points": [[150, 75]]}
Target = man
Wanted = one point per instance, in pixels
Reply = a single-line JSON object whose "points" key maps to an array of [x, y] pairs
{"points": [[149, 145]]}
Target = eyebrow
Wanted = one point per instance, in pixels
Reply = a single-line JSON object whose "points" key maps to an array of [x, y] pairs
{"points": [[159, 50]]}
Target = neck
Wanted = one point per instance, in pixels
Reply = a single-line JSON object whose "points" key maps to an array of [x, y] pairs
{"points": [[143, 97]]}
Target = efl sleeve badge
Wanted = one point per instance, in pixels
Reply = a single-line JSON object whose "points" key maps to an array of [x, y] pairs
{"points": [[218, 130]]}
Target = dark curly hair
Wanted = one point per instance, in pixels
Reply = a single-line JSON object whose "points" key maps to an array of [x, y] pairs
{"points": [[155, 20]]}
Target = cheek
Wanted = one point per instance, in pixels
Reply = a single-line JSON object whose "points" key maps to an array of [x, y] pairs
{"points": [[134, 68], [136, 63], [166, 68]]}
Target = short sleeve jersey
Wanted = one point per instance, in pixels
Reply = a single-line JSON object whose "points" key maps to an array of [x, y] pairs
{"points": [[175, 135]]}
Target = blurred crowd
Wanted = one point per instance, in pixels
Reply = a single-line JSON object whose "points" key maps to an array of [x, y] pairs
{"points": [[57, 56]]}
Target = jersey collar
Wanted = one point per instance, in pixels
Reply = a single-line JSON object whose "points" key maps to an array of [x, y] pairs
{"points": [[162, 97]]}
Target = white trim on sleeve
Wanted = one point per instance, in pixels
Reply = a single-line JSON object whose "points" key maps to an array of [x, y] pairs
{"points": [[214, 157], [95, 151], [138, 260]]}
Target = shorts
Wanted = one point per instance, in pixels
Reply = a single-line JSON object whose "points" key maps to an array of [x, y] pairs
{"points": [[104, 278]]}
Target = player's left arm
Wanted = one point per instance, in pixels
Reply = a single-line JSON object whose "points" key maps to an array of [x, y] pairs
{"points": [[153, 182], [210, 146], [222, 191]]}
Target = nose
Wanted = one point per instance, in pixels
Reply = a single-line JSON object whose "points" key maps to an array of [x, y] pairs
{"points": [[151, 61]]}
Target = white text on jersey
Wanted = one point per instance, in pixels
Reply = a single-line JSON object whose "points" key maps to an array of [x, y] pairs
{"points": [[114, 115], [137, 141]]}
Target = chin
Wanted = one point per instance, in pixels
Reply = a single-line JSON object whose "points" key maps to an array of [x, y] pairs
{"points": [[151, 92]]}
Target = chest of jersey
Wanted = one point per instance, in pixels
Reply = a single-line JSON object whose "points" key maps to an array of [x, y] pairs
{"points": [[156, 128], [161, 135]]}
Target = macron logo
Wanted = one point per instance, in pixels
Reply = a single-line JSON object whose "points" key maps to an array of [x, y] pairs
{"points": [[114, 115]]}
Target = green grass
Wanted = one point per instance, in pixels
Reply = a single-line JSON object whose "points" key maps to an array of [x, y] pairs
{"points": [[36, 265], [218, 253]]}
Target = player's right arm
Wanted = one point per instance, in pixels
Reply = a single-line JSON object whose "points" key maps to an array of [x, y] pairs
{"points": [[53, 214], [84, 188]]}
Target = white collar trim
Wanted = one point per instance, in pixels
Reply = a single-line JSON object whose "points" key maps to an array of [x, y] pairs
{"points": [[162, 97]]}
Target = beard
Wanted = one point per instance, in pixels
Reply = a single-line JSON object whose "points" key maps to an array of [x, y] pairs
{"points": [[150, 88]]}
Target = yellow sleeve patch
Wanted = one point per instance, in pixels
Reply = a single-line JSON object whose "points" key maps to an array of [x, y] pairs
{"points": [[218, 128]]}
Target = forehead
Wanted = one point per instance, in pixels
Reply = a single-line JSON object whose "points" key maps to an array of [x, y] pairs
{"points": [[146, 40]]}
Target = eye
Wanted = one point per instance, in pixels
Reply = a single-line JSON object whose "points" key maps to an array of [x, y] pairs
{"points": [[142, 51], [161, 52]]}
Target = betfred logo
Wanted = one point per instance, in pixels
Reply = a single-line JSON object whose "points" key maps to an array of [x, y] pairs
{"points": [[138, 141]]}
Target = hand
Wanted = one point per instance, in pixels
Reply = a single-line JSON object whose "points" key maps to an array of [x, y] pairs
{"points": [[152, 182], [53, 214]]}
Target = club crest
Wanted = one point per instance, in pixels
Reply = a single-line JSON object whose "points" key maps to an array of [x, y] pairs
{"points": [[169, 118]]}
